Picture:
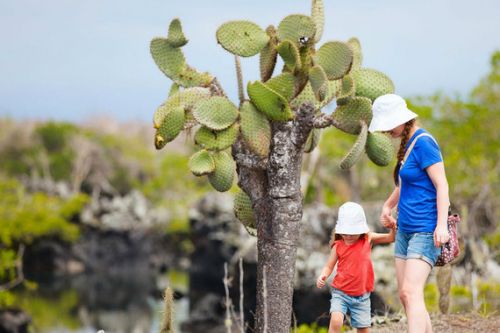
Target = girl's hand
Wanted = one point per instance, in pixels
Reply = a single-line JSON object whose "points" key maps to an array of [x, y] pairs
{"points": [[320, 282], [441, 235], [386, 218]]}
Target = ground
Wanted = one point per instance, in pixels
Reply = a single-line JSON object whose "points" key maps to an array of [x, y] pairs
{"points": [[451, 323]]}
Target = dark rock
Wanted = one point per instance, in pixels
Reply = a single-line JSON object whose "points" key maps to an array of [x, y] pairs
{"points": [[14, 321]]}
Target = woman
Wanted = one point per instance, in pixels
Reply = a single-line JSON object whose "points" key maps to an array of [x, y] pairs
{"points": [[421, 196]]}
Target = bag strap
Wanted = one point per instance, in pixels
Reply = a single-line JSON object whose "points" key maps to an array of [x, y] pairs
{"points": [[408, 151]]}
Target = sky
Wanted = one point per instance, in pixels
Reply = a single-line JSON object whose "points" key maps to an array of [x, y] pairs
{"points": [[73, 60]]}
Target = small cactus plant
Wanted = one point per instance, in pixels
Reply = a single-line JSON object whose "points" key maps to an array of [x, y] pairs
{"points": [[264, 137]]}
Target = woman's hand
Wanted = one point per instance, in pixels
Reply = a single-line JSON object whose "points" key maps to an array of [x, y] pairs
{"points": [[320, 282], [441, 235], [386, 218]]}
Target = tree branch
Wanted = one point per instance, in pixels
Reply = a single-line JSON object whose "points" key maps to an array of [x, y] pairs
{"points": [[303, 124], [216, 88], [324, 120], [239, 76], [251, 169], [251, 161]]}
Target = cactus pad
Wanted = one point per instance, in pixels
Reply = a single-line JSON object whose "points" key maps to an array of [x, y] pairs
{"points": [[223, 175], [349, 115], [174, 88], [269, 102], [347, 87], [201, 163], [319, 82], [297, 28], [243, 209], [216, 113], [283, 84], [357, 149], [318, 17], [306, 95], [242, 38], [176, 37], [355, 46], [216, 140], [172, 125], [190, 77], [255, 128], [268, 55], [312, 140], [335, 58], [290, 55], [372, 83], [186, 98], [169, 59], [379, 149]]}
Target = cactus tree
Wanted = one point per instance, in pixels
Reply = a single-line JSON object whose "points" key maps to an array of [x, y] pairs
{"points": [[262, 140]]}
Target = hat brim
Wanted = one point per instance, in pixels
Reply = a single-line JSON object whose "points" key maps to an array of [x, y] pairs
{"points": [[382, 124], [351, 230]]}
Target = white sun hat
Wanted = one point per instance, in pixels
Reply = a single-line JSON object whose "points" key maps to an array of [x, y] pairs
{"points": [[351, 220], [389, 111]]}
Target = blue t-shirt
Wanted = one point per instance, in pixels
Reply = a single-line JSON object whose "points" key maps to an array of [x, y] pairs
{"points": [[417, 208]]}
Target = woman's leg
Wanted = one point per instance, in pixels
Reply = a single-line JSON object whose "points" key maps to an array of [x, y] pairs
{"points": [[400, 273], [415, 274], [336, 322], [363, 330]]}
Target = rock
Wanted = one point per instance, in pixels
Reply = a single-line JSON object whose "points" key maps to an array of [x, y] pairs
{"points": [[129, 212], [14, 321]]}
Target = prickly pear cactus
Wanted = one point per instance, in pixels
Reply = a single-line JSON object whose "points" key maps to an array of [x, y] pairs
{"points": [[312, 74]]}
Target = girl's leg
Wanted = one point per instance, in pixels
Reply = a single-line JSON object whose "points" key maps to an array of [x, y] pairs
{"points": [[363, 330], [336, 322], [412, 294]]}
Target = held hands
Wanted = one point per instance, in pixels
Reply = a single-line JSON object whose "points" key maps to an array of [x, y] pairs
{"points": [[386, 218], [441, 235], [320, 282]]}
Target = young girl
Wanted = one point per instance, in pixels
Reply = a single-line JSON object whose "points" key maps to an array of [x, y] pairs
{"points": [[353, 283]]}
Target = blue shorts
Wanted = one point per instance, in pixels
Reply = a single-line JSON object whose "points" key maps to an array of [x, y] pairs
{"points": [[417, 245], [357, 306]]}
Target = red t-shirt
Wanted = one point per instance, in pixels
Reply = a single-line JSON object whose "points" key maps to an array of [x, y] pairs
{"points": [[354, 267]]}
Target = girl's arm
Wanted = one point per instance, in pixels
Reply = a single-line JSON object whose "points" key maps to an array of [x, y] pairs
{"points": [[327, 270], [378, 238], [438, 177], [385, 217]]}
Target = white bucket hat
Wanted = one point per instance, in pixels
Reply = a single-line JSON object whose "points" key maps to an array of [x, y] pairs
{"points": [[389, 111], [351, 220]]}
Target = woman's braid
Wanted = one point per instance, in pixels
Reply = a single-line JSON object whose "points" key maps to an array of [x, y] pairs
{"points": [[402, 148]]}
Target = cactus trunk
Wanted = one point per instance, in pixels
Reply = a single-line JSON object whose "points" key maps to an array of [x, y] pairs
{"points": [[278, 206]]}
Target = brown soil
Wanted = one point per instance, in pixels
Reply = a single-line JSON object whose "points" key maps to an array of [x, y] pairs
{"points": [[452, 323]]}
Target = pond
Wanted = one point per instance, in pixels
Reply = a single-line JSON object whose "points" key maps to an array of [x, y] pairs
{"points": [[89, 303]]}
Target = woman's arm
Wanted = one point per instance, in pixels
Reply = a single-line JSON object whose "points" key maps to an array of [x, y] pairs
{"points": [[327, 270], [378, 238], [437, 175], [385, 217]]}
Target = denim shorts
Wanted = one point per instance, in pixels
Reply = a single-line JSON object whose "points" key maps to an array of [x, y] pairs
{"points": [[417, 245], [357, 306]]}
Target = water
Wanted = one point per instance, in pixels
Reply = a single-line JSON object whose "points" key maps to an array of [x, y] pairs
{"points": [[117, 304]]}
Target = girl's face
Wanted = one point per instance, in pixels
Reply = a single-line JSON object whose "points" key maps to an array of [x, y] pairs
{"points": [[350, 239], [396, 132]]}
